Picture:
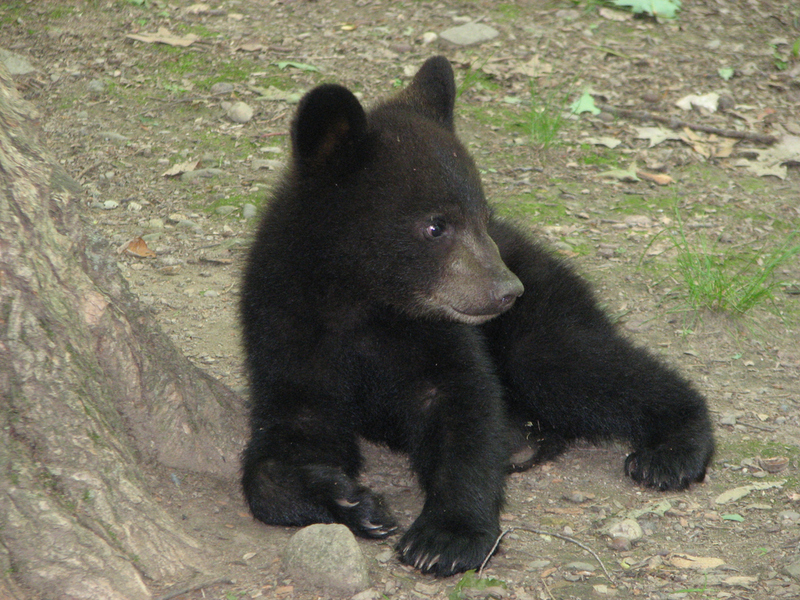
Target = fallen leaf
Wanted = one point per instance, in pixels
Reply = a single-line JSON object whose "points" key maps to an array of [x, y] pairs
{"points": [[622, 174], [296, 65], [179, 168], [607, 141], [164, 36], [533, 68], [657, 178], [742, 491], [138, 247], [703, 563], [584, 104], [197, 9], [710, 102], [744, 581], [251, 47], [656, 135]]}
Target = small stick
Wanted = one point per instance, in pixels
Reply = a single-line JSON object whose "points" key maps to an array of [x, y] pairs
{"points": [[675, 123], [560, 536], [191, 588]]}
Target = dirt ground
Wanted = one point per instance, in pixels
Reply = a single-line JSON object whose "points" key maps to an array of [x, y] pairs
{"points": [[121, 114]]}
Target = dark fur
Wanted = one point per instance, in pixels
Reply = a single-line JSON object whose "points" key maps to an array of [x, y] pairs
{"points": [[365, 310]]}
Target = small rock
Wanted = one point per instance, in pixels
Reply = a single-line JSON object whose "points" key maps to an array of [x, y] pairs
{"points": [[627, 528], [427, 589], [157, 224], [428, 38], [249, 211], [222, 88], [369, 594], [239, 112], [211, 294], [638, 221], [110, 204], [226, 209], [793, 568], [134, 206], [537, 564], [619, 544], [95, 86], [327, 556], [16, 63], [201, 174], [581, 566], [176, 218], [266, 163], [469, 34]]}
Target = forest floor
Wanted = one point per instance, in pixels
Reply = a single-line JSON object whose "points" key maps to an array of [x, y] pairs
{"points": [[144, 126]]}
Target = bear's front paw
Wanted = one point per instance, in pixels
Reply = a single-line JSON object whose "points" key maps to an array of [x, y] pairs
{"points": [[665, 468], [444, 551], [365, 513]]}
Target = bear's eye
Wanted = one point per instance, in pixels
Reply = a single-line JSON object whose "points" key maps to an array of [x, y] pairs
{"points": [[435, 228]]}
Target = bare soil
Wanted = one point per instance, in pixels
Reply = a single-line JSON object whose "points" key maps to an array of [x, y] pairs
{"points": [[120, 112]]}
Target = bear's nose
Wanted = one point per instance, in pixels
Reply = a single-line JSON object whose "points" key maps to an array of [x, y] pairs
{"points": [[507, 291]]}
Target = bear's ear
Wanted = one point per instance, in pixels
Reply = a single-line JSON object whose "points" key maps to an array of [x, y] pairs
{"points": [[432, 93], [328, 130]]}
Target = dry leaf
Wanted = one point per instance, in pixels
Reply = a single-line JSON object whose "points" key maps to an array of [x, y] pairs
{"points": [[138, 247], [742, 491], [533, 68], [687, 561], [164, 36], [657, 178], [197, 9], [179, 168], [251, 47]]}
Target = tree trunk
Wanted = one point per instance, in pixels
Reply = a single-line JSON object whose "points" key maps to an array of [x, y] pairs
{"points": [[93, 396]]}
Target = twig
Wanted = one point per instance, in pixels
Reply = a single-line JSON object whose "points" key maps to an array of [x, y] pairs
{"points": [[191, 588], [675, 123], [560, 536]]}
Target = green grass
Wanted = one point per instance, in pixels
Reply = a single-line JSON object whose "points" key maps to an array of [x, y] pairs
{"points": [[545, 118], [732, 280]]}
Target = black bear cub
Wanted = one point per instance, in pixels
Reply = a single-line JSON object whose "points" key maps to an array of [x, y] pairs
{"points": [[382, 300]]}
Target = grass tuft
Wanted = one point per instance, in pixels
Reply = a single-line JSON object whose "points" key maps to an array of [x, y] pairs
{"points": [[732, 282]]}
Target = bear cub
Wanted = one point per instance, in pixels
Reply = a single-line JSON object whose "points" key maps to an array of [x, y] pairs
{"points": [[383, 300]]}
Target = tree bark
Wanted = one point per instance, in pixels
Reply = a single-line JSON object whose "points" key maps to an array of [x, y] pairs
{"points": [[93, 397]]}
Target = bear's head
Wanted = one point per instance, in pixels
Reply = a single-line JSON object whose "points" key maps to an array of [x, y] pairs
{"points": [[392, 205]]}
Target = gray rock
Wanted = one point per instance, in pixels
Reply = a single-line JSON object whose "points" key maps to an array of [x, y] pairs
{"points": [[95, 86], [628, 529], [201, 174], [239, 112], [249, 211], [16, 63], [225, 209], [222, 88], [327, 557], [793, 568], [469, 34]]}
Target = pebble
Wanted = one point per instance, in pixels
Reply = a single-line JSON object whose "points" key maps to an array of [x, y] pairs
{"points": [[95, 86], [627, 528], [469, 34], [226, 209], [155, 223], [201, 174], [16, 63], [110, 204], [239, 112], [222, 88], [428, 38], [249, 211], [134, 206], [211, 294], [327, 556]]}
